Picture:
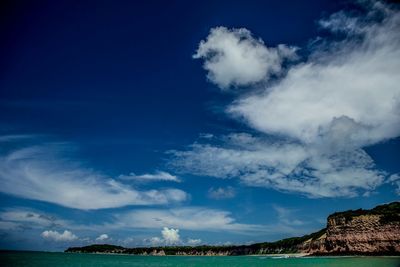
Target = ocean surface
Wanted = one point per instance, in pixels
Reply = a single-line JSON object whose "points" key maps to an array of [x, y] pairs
{"points": [[40, 259]]}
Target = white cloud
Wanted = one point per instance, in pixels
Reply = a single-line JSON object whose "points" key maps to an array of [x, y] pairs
{"points": [[221, 192], [193, 242], [239, 153], [59, 237], [233, 57], [315, 120], [188, 218], [394, 177], [157, 176], [42, 173], [171, 236], [290, 167], [102, 237], [346, 96]]}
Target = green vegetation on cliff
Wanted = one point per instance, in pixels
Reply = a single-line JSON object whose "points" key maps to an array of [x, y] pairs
{"points": [[389, 213]]}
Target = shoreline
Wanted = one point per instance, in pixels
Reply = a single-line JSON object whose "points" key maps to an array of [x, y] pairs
{"points": [[277, 256], [281, 256]]}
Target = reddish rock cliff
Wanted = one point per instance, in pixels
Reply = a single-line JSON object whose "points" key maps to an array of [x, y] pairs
{"points": [[359, 232]]}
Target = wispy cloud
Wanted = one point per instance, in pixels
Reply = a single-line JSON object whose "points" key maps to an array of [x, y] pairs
{"points": [[286, 216], [23, 218], [291, 167], [189, 218], [311, 123], [149, 177], [43, 172], [221, 192]]}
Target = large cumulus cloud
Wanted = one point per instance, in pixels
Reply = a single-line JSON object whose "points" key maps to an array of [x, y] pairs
{"points": [[312, 122]]}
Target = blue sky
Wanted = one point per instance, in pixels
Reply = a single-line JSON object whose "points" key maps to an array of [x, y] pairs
{"points": [[173, 123]]}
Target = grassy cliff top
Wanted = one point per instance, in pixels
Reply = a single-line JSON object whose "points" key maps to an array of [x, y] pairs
{"points": [[389, 213]]}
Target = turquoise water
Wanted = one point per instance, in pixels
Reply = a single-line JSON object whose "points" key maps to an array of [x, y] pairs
{"points": [[40, 259]]}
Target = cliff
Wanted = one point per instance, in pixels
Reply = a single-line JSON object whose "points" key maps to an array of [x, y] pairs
{"points": [[353, 232], [362, 232]]}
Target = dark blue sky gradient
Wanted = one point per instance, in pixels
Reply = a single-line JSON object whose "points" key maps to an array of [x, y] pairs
{"points": [[119, 77]]}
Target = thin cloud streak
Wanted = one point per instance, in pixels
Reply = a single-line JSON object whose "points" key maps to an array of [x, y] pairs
{"points": [[150, 177], [43, 173]]}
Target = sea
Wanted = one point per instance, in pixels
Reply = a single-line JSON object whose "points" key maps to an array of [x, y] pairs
{"points": [[53, 259]]}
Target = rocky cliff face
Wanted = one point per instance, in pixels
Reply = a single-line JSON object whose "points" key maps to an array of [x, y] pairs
{"points": [[353, 233]]}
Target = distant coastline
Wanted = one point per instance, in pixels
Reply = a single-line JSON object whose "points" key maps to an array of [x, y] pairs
{"points": [[374, 232]]}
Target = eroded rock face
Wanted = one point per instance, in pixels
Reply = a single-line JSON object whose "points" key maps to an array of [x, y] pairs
{"points": [[157, 253], [364, 234]]}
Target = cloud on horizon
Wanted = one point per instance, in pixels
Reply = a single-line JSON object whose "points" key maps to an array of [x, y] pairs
{"points": [[66, 236], [23, 222], [170, 237], [102, 237]]}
